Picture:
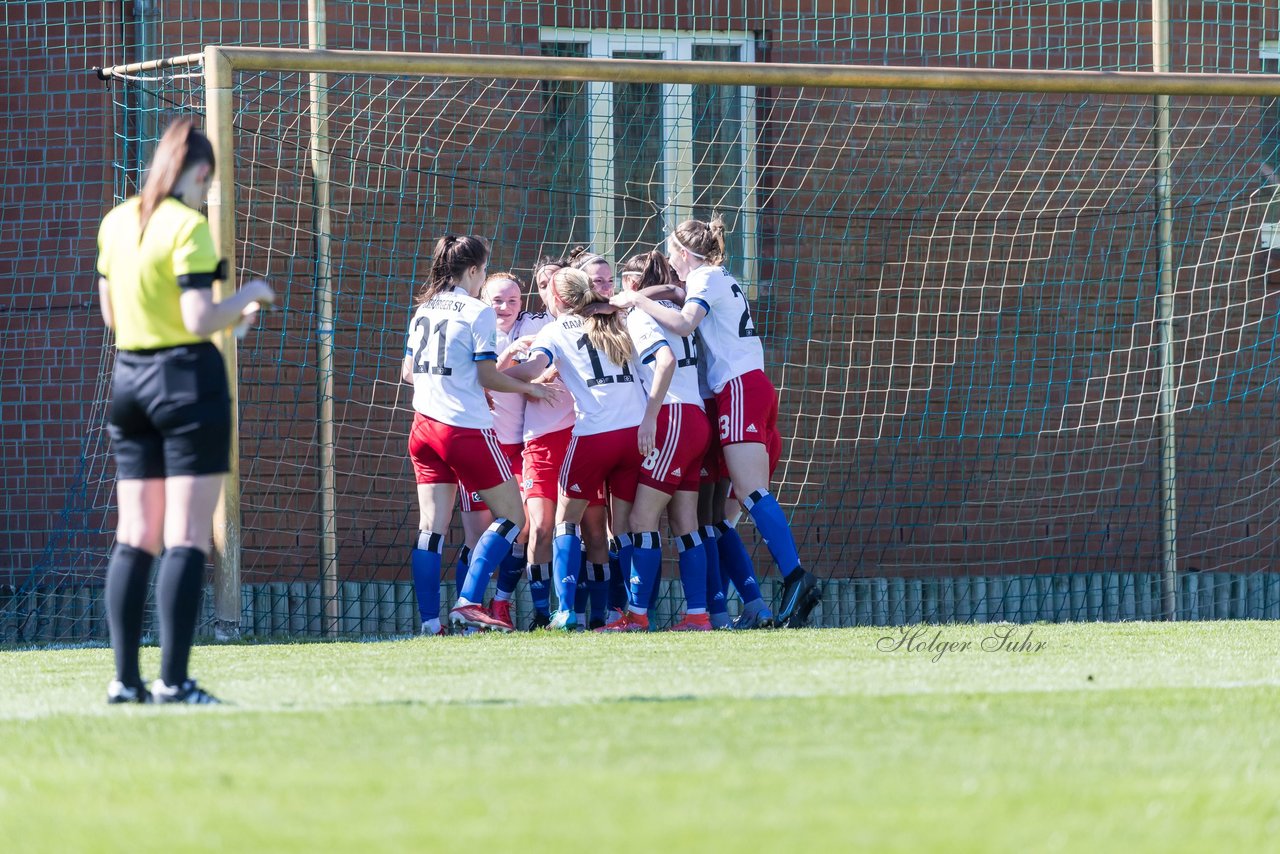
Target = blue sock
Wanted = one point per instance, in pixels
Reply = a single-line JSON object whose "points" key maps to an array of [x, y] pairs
{"points": [[772, 524], [693, 572], [566, 554], [617, 580], [582, 595], [655, 592], [646, 563], [540, 588], [717, 602], [460, 570], [625, 555], [598, 585], [735, 563], [426, 574], [509, 573], [493, 547]]}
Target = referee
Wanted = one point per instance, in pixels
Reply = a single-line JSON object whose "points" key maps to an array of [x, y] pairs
{"points": [[170, 414]]}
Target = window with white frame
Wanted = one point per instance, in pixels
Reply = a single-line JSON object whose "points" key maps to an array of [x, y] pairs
{"points": [[626, 162]]}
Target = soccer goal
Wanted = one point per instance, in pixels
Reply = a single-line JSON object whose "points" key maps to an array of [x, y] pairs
{"points": [[1023, 324]]}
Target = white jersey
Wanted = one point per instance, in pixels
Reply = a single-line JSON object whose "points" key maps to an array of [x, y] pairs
{"points": [[704, 387], [649, 338], [542, 417], [508, 407], [732, 348], [605, 396], [448, 334]]}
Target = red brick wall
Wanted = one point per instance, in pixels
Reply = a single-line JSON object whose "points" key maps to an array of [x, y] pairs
{"points": [[954, 484], [55, 178]]}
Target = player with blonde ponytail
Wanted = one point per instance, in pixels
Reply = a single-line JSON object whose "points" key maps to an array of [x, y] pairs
{"points": [[615, 423]]}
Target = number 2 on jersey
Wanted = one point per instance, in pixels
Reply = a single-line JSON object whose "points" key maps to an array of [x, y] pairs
{"points": [[746, 329], [423, 366]]}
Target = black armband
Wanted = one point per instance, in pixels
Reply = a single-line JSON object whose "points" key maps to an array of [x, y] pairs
{"points": [[197, 280], [204, 280]]}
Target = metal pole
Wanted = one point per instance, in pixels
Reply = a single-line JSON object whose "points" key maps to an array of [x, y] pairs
{"points": [[749, 73], [1164, 320], [133, 68], [726, 73], [324, 322], [144, 12], [222, 222]]}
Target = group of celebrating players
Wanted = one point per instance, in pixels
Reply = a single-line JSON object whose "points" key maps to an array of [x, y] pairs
{"points": [[654, 397], [568, 432]]}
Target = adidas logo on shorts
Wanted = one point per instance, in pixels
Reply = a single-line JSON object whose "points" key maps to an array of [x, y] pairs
{"points": [[575, 488], [677, 473], [751, 428]]}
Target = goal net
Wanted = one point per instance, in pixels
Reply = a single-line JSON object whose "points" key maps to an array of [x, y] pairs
{"points": [[988, 410]]}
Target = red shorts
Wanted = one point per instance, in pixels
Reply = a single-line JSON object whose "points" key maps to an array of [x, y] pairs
{"points": [[611, 458], [748, 412], [713, 460], [543, 462], [442, 453], [469, 499], [675, 463]]}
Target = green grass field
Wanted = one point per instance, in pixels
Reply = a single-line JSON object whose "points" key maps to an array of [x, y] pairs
{"points": [[1111, 737]]}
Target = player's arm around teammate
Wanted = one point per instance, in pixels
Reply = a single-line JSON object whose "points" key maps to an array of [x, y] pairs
{"points": [[548, 432], [747, 403], [502, 291], [544, 422], [593, 353], [170, 412], [595, 523], [670, 474], [508, 412], [451, 354]]}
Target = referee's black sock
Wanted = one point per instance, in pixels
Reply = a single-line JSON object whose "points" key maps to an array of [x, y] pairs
{"points": [[127, 574], [178, 592]]}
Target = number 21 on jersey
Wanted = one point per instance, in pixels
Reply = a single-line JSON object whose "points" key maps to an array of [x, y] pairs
{"points": [[423, 365]]}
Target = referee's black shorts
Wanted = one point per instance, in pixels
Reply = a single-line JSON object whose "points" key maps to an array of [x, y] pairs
{"points": [[170, 412]]}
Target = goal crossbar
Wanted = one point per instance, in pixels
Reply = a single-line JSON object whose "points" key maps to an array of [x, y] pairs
{"points": [[725, 73]]}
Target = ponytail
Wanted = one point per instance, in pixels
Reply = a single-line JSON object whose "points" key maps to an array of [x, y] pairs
{"points": [[580, 256], [181, 147], [703, 240], [606, 329], [453, 256]]}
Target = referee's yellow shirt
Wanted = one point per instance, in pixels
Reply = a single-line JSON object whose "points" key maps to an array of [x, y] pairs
{"points": [[146, 277]]}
